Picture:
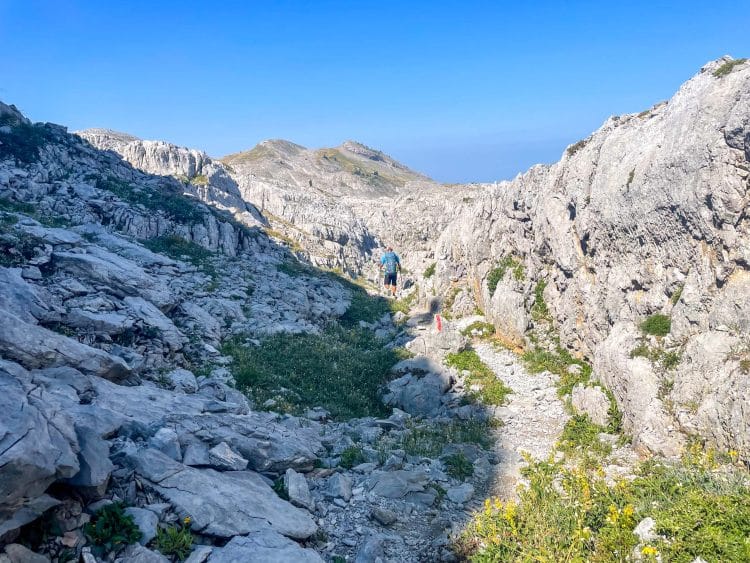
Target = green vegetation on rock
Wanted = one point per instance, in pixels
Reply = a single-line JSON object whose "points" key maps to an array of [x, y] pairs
{"points": [[498, 273], [492, 390], [180, 207], [111, 529], [23, 141], [430, 270], [728, 67], [175, 541], [570, 513], [180, 249], [656, 325], [458, 466], [340, 369]]}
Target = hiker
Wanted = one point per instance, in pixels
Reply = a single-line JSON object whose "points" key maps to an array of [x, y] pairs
{"points": [[392, 264]]}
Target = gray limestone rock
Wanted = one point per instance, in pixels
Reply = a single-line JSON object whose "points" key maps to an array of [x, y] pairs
{"points": [[33, 347], [298, 490], [220, 504], [146, 520], [591, 401], [263, 546], [222, 457]]}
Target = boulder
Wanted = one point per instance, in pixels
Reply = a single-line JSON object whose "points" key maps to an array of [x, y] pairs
{"points": [[146, 520], [397, 484], [37, 447], [339, 485], [139, 554], [93, 459], [18, 553], [35, 347], [591, 401], [166, 441], [460, 494], [298, 490], [220, 504], [222, 457], [183, 380]]}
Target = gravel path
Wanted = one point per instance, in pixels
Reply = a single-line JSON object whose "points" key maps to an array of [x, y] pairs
{"points": [[532, 420]]}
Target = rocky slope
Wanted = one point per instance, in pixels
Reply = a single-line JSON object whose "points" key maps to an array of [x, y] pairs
{"points": [[646, 216], [117, 290]]}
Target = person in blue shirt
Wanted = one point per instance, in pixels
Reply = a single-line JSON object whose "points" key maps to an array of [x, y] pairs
{"points": [[391, 263]]}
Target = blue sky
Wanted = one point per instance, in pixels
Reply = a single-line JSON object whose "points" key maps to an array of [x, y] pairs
{"points": [[462, 91]]}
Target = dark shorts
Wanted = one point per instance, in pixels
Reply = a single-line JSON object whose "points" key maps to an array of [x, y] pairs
{"points": [[390, 279]]}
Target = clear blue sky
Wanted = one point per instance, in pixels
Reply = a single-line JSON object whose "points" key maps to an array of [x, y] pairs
{"points": [[463, 91]]}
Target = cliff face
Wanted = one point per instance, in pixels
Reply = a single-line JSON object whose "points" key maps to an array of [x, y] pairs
{"points": [[646, 216], [200, 175]]}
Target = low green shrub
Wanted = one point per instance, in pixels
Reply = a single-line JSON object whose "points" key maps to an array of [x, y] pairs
{"points": [[580, 436], [175, 542], [575, 147], [430, 270], [498, 273], [493, 391], [480, 329], [656, 325], [677, 294], [351, 456], [111, 529], [458, 466], [280, 488], [23, 141], [538, 360], [539, 310]]}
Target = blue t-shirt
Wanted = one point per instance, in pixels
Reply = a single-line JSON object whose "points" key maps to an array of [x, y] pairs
{"points": [[391, 262]]}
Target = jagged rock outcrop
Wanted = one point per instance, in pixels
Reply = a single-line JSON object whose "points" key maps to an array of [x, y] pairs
{"points": [[200, 175], [645, 216]]}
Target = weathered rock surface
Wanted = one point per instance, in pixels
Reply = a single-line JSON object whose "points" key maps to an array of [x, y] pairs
{"points": [[221, 504], [644, 216], [264, 546]]}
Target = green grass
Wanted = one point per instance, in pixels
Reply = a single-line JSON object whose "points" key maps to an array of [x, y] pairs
{"points": [[430, 270], [571, 514], [498, 273], [175, 542], [480, 329], [656, 325], [677, 294], [581, 436], [405, 304], [340, 369], [16, 206], [493, 391], [180, 249], [458, 466], [728, 67], [166, 198], [539, 310], [429, 440], [538, 360]]}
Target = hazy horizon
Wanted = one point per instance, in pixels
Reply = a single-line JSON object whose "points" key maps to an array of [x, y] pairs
{"points": [[459, 91]]}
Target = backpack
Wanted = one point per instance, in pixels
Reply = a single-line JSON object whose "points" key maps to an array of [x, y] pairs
{"points": [[390, 260]]}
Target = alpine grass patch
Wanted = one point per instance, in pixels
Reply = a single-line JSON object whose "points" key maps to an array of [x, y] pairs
{"points": [[429, 440], [180, 249], [175, 541], [340, 369], [728, 67], [492, 390]]}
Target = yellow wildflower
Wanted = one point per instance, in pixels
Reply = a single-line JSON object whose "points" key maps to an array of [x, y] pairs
{"points": [[186, 520], [649, 551]]}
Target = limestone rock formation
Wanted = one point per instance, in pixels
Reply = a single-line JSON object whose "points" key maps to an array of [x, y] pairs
{"points": [[645, 216]]}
